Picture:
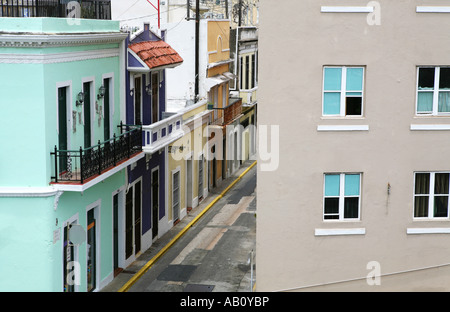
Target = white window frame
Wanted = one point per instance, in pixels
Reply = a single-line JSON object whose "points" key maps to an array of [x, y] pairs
{"points": [[437, 76], [342, 197], [343, 91], [431, 197]]}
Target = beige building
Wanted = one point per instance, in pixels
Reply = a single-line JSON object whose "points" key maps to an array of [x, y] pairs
{"points": [[361, 93]]}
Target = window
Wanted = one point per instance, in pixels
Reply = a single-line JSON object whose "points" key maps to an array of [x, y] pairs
{"points": [[433, 91], [431, 192], [343, 91], [342, 196]]}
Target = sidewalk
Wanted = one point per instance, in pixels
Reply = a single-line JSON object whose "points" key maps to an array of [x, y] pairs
{"points": [[162, 243]]}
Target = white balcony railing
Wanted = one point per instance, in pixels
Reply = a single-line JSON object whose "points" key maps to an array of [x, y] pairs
{"points": [[160, 134]]}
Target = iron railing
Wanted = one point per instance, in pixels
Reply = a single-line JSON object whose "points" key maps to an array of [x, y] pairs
{"points": [[83, 164], [91, 9]]}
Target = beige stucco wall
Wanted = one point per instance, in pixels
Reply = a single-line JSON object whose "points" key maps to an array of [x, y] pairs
{"points": [[290, 199]]}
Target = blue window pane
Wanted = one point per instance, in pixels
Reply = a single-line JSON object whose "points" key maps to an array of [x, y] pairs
{"points": [[331, 103], [444, 102], [354, 94], [332, 183], [424, 102], [354, 79], [332, 80], [351, 185]]}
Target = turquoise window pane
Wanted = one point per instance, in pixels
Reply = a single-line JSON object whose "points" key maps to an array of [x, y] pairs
{"points": [[424, 102], [332, 184], [354, 94], [444, 102], [355, 79], [331, 103], [333, 77], [351, 184]]}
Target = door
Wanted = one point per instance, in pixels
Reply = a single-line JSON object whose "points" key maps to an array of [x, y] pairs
{"points": [[107, 110], [155, 203], [176, 195], [68, 257], [62, 128], [137, 217], [91, 252], [133, 201], [87, 113], [189, 186], [129, 224], [138, 100], [155, 88], [116, 233], [200, 178]]}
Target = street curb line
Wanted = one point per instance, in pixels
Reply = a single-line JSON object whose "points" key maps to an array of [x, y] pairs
{"points": [[147, 266]]}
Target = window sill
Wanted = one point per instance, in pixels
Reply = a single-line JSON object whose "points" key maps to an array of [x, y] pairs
{"points": [[430, 127], [433, 9], [428, 231], [346, 9], [338, 232], [343, 128]]}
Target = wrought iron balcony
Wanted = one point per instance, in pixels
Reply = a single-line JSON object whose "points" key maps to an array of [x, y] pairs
{"points": [[92, 9], [162, 133], [81, 165]]}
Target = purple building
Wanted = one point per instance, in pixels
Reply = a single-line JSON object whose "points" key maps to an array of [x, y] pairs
{"points": [[148, 57]]}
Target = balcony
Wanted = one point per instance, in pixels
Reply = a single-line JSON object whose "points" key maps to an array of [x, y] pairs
{"points": [[160, 134], [83, 165], [91, 9], [230, 113]]}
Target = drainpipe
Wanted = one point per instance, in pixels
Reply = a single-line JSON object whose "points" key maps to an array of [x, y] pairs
{"points": [[197, 48]]}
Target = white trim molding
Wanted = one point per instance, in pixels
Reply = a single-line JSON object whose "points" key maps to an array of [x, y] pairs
{"points": [[343, 128], [433, 9], [432, 127], [346, 9], [428, 231], [337, 232], [52, 58], [28, 191], [24, 40]]}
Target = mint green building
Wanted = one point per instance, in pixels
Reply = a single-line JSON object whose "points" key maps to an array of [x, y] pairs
{"points": [[63, 154]]}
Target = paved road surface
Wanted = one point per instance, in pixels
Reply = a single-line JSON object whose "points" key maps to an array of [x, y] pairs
{"points": [[214, 254]]}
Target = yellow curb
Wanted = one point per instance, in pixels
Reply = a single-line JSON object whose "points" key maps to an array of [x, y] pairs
{"points": [[147, 266]]}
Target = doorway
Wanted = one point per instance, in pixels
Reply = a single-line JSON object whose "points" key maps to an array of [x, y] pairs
{"points": [[91, 254], [87, 114], [189, 183], [107, 109], [133, 230], [63, 122], [155, 203]]}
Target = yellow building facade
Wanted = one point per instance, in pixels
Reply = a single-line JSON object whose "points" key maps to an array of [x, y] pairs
{"points": [[187, 163]]}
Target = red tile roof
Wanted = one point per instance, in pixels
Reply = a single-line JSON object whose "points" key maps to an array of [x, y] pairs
{"points": [[156, 53]]}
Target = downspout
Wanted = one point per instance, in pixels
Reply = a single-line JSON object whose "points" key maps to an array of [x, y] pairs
{"points": [[197, 48]]}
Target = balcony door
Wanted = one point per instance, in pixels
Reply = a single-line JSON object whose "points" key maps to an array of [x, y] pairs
{"points": [[63, 122], [107, 109], [87, 114], [138, 100], [155, 98]]}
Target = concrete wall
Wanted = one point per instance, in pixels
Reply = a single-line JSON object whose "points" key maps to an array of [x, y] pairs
{"points": [[290, 199]]}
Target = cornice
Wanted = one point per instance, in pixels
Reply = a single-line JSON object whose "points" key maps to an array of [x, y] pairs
{"points": [[38, 40]]}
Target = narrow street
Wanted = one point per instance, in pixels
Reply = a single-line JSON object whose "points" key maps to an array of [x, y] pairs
{"points": [[214, 255]]}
